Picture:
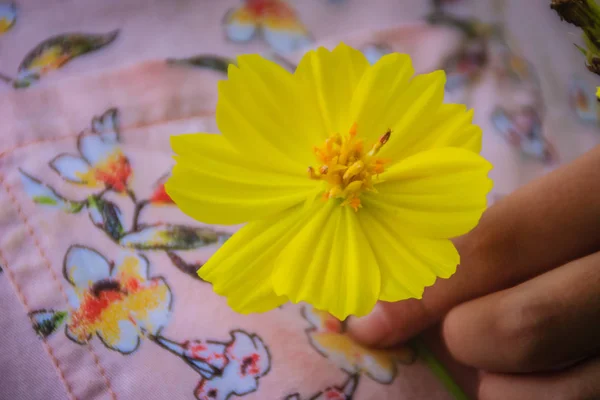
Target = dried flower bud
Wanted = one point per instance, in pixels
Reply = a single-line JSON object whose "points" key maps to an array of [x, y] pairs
{"points": [[577, 12]]}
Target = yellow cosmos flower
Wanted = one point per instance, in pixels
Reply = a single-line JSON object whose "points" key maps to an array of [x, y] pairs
{"points": [[392, 175]]}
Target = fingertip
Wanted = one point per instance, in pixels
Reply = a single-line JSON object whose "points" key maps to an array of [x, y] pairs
{"points": [[469, 332], [454, 332], [389, 323], [370, 329]]}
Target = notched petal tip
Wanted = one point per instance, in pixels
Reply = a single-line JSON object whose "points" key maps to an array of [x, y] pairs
{"points": [[259, 302], [341, 54], [178, 141], [343, 47], [435, 78], [232, 68], [399, 60], [252, 61], [470, 112], [344, 50], [432, 82], [483, 164], [325, 265]]}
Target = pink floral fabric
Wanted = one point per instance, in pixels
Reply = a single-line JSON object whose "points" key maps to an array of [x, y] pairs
{"points": [[99, 297]]}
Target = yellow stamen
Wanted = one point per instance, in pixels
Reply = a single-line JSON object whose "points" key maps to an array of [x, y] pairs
{"points": [[354, 170], [335, 191], [382, 140], [353, 130], [353, 188], [386, 136], [353, 202], [338, 168], [346, 168]]}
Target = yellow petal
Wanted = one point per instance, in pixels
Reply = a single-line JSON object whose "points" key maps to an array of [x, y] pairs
{"points": [[330, 79], [407, 264], [420, 99], [440, 193], [453, 127], [241, 269], [449, 126], [329, 264], [259, 112], [214, 153], [380, 102], [214, 184], [387, 98]]}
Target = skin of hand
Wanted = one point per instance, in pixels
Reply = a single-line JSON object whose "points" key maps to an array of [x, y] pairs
{"points": [[524, 305]]}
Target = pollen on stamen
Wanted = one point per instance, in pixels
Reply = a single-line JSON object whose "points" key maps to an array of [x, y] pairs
{"points": [[321, 155], [353, 130], [353, 170], [346, 169], [353, 202], [379, 166], [312, 174], [386, 136], [358, 148]]}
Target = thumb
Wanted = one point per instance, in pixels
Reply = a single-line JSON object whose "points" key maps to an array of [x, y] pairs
{"points": [[542, 225], [392, 323]]}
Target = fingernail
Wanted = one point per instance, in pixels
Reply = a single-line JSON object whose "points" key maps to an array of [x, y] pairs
{"points": [[369, 329]]}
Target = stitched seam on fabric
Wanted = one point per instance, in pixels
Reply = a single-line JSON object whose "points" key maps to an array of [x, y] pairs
{"points": [[47, 347], [202, 114], [31, 233]]}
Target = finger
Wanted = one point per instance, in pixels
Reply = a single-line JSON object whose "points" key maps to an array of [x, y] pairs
{"points": [[467, 378], [579, 383], [542, 225], [547, 322]]}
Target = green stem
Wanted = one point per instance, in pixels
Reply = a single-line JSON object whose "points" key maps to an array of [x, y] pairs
{"points": [[139, 206], [438, 369]]}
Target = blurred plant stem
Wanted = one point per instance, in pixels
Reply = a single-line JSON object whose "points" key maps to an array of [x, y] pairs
{"points": [[584, 14], [438, 369]]}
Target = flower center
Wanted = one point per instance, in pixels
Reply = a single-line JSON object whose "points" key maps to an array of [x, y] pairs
{"points": [[347, 168]]}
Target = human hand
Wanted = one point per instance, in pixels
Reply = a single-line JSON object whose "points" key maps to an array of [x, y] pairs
{"points": [[524, 305]]}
